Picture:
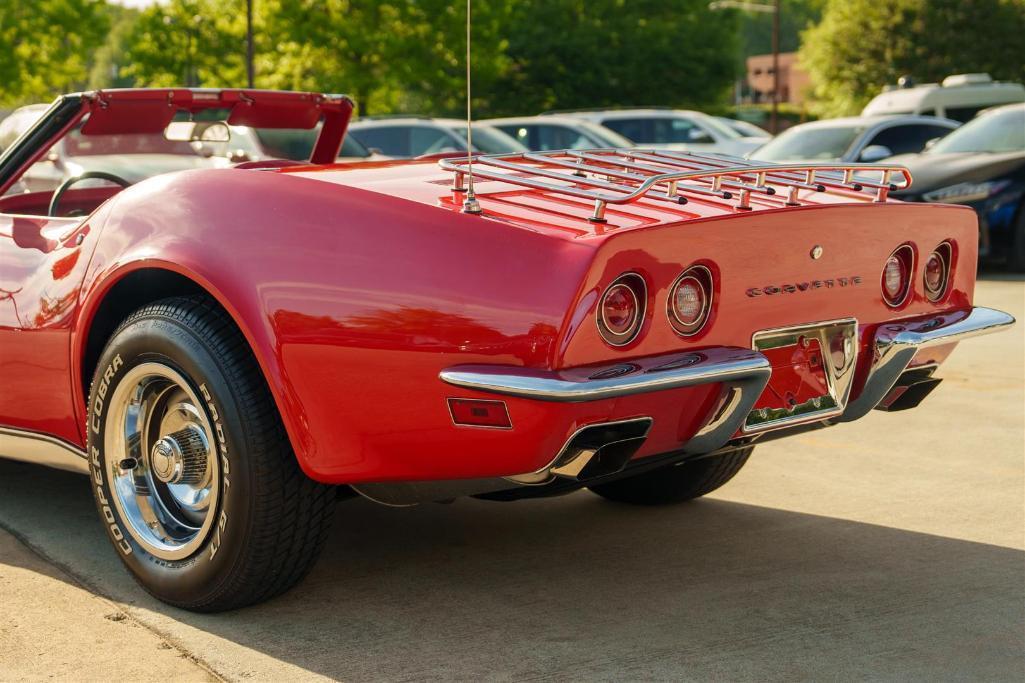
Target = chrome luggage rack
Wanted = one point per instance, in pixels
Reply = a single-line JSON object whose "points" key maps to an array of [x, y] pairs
{"points": [[623, 176]]}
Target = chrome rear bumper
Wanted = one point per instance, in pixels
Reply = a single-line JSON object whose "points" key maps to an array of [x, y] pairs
{"points": [[743, 372], [897, 343]]}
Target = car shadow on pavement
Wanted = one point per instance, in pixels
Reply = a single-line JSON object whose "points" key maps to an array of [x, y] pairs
{"points": [[579, 588]]}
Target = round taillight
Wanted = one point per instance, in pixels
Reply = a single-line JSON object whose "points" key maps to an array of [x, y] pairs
{"points": [[896, 279], [690, 300], [937, 272], [621, 309]]}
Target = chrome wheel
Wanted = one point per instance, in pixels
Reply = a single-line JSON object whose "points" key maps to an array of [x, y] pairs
{"points": [[160, 465]]}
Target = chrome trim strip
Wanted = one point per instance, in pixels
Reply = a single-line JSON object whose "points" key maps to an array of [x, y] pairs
{"points": [[742, 372], [41, 449], [897, 343], [722, 364]]}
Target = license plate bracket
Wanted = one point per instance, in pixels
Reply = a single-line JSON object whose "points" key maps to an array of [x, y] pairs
{"points": [[813, 366]]}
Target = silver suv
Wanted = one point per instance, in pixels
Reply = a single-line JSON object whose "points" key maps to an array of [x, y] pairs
{"points": [[672, 129]]}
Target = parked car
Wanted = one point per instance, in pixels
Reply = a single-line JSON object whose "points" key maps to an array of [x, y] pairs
{"points": [[226, 352], [958, 97], [857, 138], [981, 165], [745, 128], [672, 129], [259, 144], [404, 137], [543, 133], [132, 157]]}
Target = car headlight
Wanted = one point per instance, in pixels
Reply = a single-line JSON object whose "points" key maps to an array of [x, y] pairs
{"points": [[966, 192]]}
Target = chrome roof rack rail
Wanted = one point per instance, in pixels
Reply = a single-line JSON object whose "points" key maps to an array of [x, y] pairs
{"points": [[623, 176]]}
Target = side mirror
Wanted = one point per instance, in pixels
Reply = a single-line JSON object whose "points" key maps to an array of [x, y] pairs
{"points": [[874, 153], [929, 143]]}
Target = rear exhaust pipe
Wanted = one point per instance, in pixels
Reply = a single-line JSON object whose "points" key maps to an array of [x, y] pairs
{"points": [[910, 389], [592, 451], [600, 450]]}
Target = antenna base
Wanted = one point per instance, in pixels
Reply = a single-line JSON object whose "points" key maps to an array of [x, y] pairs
{"points": [[471, 205]]}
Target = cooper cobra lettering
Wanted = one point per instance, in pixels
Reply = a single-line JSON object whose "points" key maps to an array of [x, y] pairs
{"points": [[94, 458], [222, 448]]}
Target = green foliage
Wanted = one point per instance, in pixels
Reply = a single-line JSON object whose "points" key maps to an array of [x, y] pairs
{"points": [[795, 17], [187, 42], [391, 55], [861, 45], [592, 53], [529, 55], [45, 46]]}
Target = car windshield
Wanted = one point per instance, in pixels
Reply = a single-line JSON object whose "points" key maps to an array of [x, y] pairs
{"points": [[998, 131], [489, 140], [604, 136], [280, 143], [724, 130], [745, 128], [78, 145], [819, 143]]}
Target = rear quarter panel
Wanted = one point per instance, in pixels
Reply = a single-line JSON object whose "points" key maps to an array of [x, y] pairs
{"points": [[352, 302]]}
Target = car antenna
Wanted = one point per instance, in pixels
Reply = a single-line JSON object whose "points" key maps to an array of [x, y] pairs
{"points": [[470, 204]]}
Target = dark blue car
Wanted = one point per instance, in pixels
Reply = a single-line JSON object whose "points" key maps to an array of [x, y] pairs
{"points": [[981, 165]]}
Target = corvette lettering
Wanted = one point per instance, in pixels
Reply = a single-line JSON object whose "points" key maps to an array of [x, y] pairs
{"points": [[794, 287]]}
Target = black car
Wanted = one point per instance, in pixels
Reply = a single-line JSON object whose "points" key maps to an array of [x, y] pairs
{"points": [[981, 165]]}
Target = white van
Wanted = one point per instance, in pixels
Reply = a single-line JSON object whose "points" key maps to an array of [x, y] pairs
{"points": [[958, 97]]}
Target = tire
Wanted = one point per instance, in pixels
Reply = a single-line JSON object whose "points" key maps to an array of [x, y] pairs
{"points": [[675, 483], [191, 468]]}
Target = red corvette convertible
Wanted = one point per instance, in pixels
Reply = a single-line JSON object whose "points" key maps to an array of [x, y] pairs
{"points": [[226, 351]]}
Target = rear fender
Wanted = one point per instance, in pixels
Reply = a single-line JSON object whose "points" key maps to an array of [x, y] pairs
{"points": [[351, 301]]}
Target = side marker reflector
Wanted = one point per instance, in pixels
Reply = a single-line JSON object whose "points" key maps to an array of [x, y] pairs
{"points": [[471, 412]]}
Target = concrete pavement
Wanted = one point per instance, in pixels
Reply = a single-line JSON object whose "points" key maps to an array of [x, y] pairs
{"points": [[890, 548]]}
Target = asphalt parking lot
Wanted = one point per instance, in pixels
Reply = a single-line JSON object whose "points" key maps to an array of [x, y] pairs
{"points": [[891, 548]]}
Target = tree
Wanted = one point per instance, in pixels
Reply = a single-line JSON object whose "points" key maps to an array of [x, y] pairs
{"points": [[861, 45], [187, 42], [47, 46], [591, 53]]}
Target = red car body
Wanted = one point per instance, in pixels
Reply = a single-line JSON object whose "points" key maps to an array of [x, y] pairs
{"points": [[370, 299]]}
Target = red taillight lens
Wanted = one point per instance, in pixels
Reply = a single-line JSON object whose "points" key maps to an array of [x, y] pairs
{"points": [[690, 300], [621, 309], [896, 275], [937, 272]]}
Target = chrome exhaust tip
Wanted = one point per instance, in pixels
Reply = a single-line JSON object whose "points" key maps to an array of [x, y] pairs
{"points": [[600, 450]]}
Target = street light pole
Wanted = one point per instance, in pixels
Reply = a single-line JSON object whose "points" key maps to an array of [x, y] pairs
{"points": [[774, 123], [250, 69], [761, 7]]}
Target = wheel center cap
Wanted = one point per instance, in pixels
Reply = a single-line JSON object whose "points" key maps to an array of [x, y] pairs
{"points": [[166, 460], [180, 458]]}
